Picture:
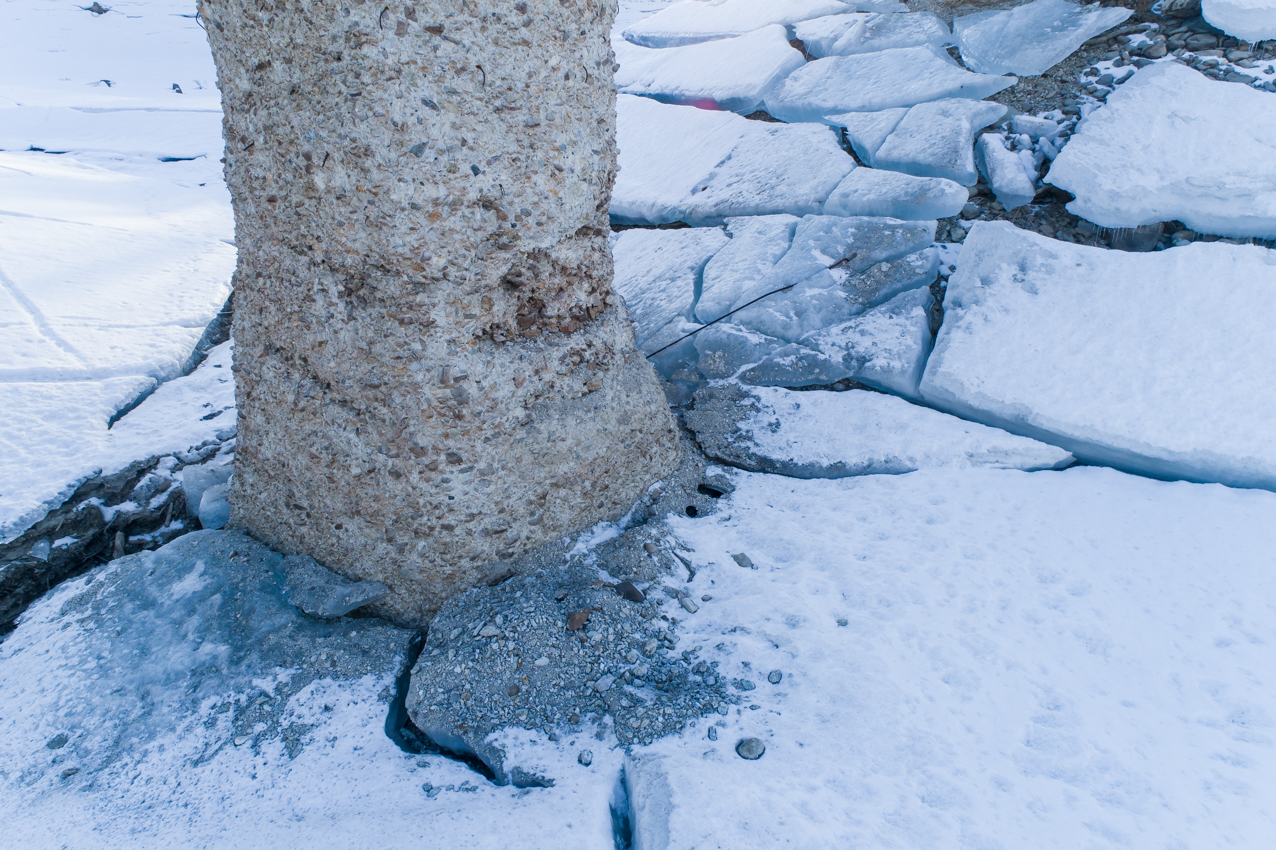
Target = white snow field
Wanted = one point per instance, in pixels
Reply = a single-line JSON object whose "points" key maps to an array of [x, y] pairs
{"points": [[1248, 20], [866, 32], [1172, 144], [866, 82], [733, 74], [1158, 363], [978, 658], [694, 21], [1030, 39]]}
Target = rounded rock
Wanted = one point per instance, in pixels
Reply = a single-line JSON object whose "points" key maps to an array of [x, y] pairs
{"points": [[750, 749], [586, 758], [774, 677]]}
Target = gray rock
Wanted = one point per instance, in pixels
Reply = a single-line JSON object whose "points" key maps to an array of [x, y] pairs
{"points": [[320, 592], [750, 748], [586, 757], [713, 733], [774, 677], [743, 560]]}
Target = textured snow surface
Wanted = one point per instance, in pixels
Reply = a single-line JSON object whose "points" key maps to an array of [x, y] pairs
{"points": [[679, 163], [1030, 39], [1161, 363], [934, 139], [1172, 144], [875, 191], [1047, 660], [733, 74], [866, 32], [1248, 20], [693, 21], [867, 82]]}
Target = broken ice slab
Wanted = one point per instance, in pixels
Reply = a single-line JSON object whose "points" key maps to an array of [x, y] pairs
{"points": [[1248, 20], [1210, 162], [726, 348], [903, 76], [867, 32], [679, 163], [1004, 172], [732, 74], [821, 434], [935, 139], [320, 592], [197, 479], [1161, 363], [694, 21], [757, 244], [1033, 127], [875, 191], [866, 131], [1030, 39]]}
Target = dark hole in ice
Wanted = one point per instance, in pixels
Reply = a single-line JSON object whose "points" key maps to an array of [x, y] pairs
{"points": [[177, 158], [691, 510], [711, 492]]}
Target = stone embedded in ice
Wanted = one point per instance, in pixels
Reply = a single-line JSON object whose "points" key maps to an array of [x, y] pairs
{"points": [[1159, 363], [726, 348], [1169, 145], [867, 130], [875, 191], [861, 32], [694, 21], [214, 507], [903, 76], [732, 74], [936, 139], [819, 434], [1248, 20], [320, 592], [1033, 127], [1030, 39], [1004, 172], [679, 163], [757, 244]]}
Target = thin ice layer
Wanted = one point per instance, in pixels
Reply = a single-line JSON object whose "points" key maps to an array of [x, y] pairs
{"points": [[1030, 39], [876, 191], [935, 139], [860, 32], [1170, 145], [868, 82], [694, 21], [866, 131], [1160, 363], [1248, 20], [1003, 171], [732, 74]]}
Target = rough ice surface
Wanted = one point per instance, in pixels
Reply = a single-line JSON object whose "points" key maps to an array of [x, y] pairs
{"points": [[214, 507], [1004, 172], [1030, 39], [980, 658], [820, 434], [658, 275], [867, 82], [866, 32], [757, 244], [726, 348], [875, 191], [694, 21], [679, 163], [1171, 144], [733, 74], [1160, 363], [866, 131], [1248, 20], [935, 139]]}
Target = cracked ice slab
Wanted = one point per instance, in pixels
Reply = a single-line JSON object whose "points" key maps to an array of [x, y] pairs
{"points": [[694, 21], [732, 74], [1030, 39], [1171, 144], [867, 82], [679, 163], [1248, 20], [934, 139], [867, 32], [1160, 363], [876, 191]]}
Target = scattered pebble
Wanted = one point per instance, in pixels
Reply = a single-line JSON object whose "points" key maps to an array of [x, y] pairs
{"points": [[58, 741], [743, 560], [70, 771], [774, 677], [240, 740], [541, 662], [604, 683], [705, 598], [586, 758], [690, 606], [629, 591], [750, 748], [713, 733], [841, 621], [576, 619]]}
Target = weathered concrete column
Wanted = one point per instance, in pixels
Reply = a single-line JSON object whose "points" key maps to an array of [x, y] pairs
{"points": [[432, 372]]}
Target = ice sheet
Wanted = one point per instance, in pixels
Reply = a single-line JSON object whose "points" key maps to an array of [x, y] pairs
{"points": [[876, 191], [861, 32], [866, 131], [1159, 363], [1248, 20], [757, 244], [1032, 38], [935, 139], [1172, 144], [693, 21]]}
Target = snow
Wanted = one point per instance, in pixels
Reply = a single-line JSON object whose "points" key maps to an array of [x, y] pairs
{"points": [[875, 191], [980, 658], [1173, 145], [1032, 38], [1248, 20], [934, 139], [693, 21], [679, 163], [1159, 363], [820, 434], [866, 32], [1004, 172], [902, 76], [733, 74]]}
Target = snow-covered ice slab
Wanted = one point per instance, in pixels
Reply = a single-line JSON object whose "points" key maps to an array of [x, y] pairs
{"points": [[175, 135], [1172, 144], [1159, 363], [757, 244], [733, 74], [867, 32], [1032, 38], [820, 434], [679, 163], [876, 191], [694, 21], [979, 658], [935, 139], [1003, 171], [1248, 20], [867, 82]]}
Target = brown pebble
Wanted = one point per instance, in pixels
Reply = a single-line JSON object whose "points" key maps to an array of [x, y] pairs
{"points": [[513, 690], [576, 619], [560, 596], [651, 548], [629, 591]]}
